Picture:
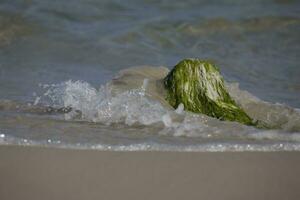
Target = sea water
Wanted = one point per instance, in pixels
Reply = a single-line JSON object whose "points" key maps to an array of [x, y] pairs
{"points": [[66, 76]]}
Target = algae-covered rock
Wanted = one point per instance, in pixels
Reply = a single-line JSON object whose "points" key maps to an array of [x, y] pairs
{"points": [[199, 86]]}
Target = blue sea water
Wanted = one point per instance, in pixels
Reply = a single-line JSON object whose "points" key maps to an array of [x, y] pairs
{"points": [[44, 44]]}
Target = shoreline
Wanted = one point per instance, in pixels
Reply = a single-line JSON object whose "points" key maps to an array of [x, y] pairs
{"points": [[54, 173]]}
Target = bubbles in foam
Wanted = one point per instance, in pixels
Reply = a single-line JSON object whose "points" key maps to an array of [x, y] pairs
{"points": [[152, 146]]}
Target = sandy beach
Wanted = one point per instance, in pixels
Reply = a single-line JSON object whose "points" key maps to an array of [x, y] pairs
{"points": [[49, 173]]}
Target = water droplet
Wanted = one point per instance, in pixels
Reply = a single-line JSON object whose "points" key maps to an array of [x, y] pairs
{"points": [[167, 120], [180, 108], [37, 100], [280, 145]]}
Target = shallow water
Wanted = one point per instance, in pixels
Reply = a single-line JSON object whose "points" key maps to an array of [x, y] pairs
{"points": [[46, 44]]}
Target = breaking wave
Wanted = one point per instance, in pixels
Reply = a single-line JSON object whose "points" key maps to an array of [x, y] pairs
{"points": [[138, 104]]}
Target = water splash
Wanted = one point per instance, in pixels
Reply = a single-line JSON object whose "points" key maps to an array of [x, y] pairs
{"points": [[137, 106], [132, 101], [90, 104]]}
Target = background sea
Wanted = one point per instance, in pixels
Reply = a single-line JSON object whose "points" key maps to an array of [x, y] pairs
{"points": [[59, 53]]}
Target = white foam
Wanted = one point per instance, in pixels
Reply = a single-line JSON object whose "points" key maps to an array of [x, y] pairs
{"points": [[150, 146], [93, 105]]}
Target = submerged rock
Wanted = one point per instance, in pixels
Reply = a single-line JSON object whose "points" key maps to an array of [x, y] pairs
{"points": [[199, 86]]}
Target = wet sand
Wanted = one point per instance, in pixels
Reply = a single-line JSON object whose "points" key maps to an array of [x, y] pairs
{"points": [[49, 173]]}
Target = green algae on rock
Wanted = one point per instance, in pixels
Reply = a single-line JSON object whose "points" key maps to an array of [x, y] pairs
{"points": [[199, 86]]}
